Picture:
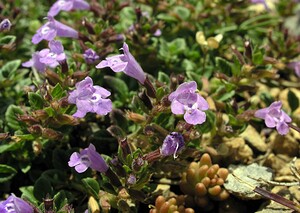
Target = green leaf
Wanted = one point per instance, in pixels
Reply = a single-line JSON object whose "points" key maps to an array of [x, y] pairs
{"points": [[182, 12], [55, 176], [11, 116], [60, 159], [119, 86], [227, 96], [258, 56], [9, 147], [50, 111], [35, 100], [58, 92], [224, 65], [42, 187], [163, 77], [10, 68], [6, 173], [293, 100], [27, 194], [60, 200], [166, 17], [92, 186], [9, 39], [177, 46]]}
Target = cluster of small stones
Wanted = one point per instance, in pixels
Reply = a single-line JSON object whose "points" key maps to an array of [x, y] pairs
{"points": [[174, 205], [202, 183]]}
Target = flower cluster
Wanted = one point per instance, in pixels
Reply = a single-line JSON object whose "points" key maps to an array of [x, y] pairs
{"points": [[274, 116], [89, 98], [88, 158], [49, 31], [186, 101]]}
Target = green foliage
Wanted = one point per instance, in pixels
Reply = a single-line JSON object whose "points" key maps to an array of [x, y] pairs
{"points": [[6, 173], [92, 186], [11, 116]]}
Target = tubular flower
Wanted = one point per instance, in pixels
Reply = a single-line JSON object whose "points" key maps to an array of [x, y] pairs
{"points": [[89, 98], [274, 116], [172, 144], [67, 5], [47, 57], [186, 101], [124, 63], [14, 204], [35, 62], [52, 29], [88, 158]]}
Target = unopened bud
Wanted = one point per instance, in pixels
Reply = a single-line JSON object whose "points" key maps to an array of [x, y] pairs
{"points": [[4, 136], [64, 66], [135, 117], [36, 147], [40, 114], [52, 77], [79, 75], [67, 120], [5, 25], [88, 26], [29, 120], [93, 205], [35, 129], [51, 134]]}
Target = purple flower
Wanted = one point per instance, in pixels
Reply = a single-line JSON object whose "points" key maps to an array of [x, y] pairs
{"points": [[47, 57], [90, 56], [86, 158], [172, 144], [68, 5], [14, 204], [89, 98], [52, 29], [5, 25], [124, 63], [131, 179], [35, 62], [54, 55], [186, 101], [296, 66], [274, 116], [157, 33]]}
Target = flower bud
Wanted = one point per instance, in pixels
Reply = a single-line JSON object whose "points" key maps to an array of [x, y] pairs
{"points": [[93, 205], [35, 129], [135, 117], [51, 134]]}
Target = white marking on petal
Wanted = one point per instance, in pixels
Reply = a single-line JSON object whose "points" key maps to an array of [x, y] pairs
{"points": [[45, 30]]}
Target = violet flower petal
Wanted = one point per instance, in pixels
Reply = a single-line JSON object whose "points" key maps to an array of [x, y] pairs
{"points": [[195, 117]]}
